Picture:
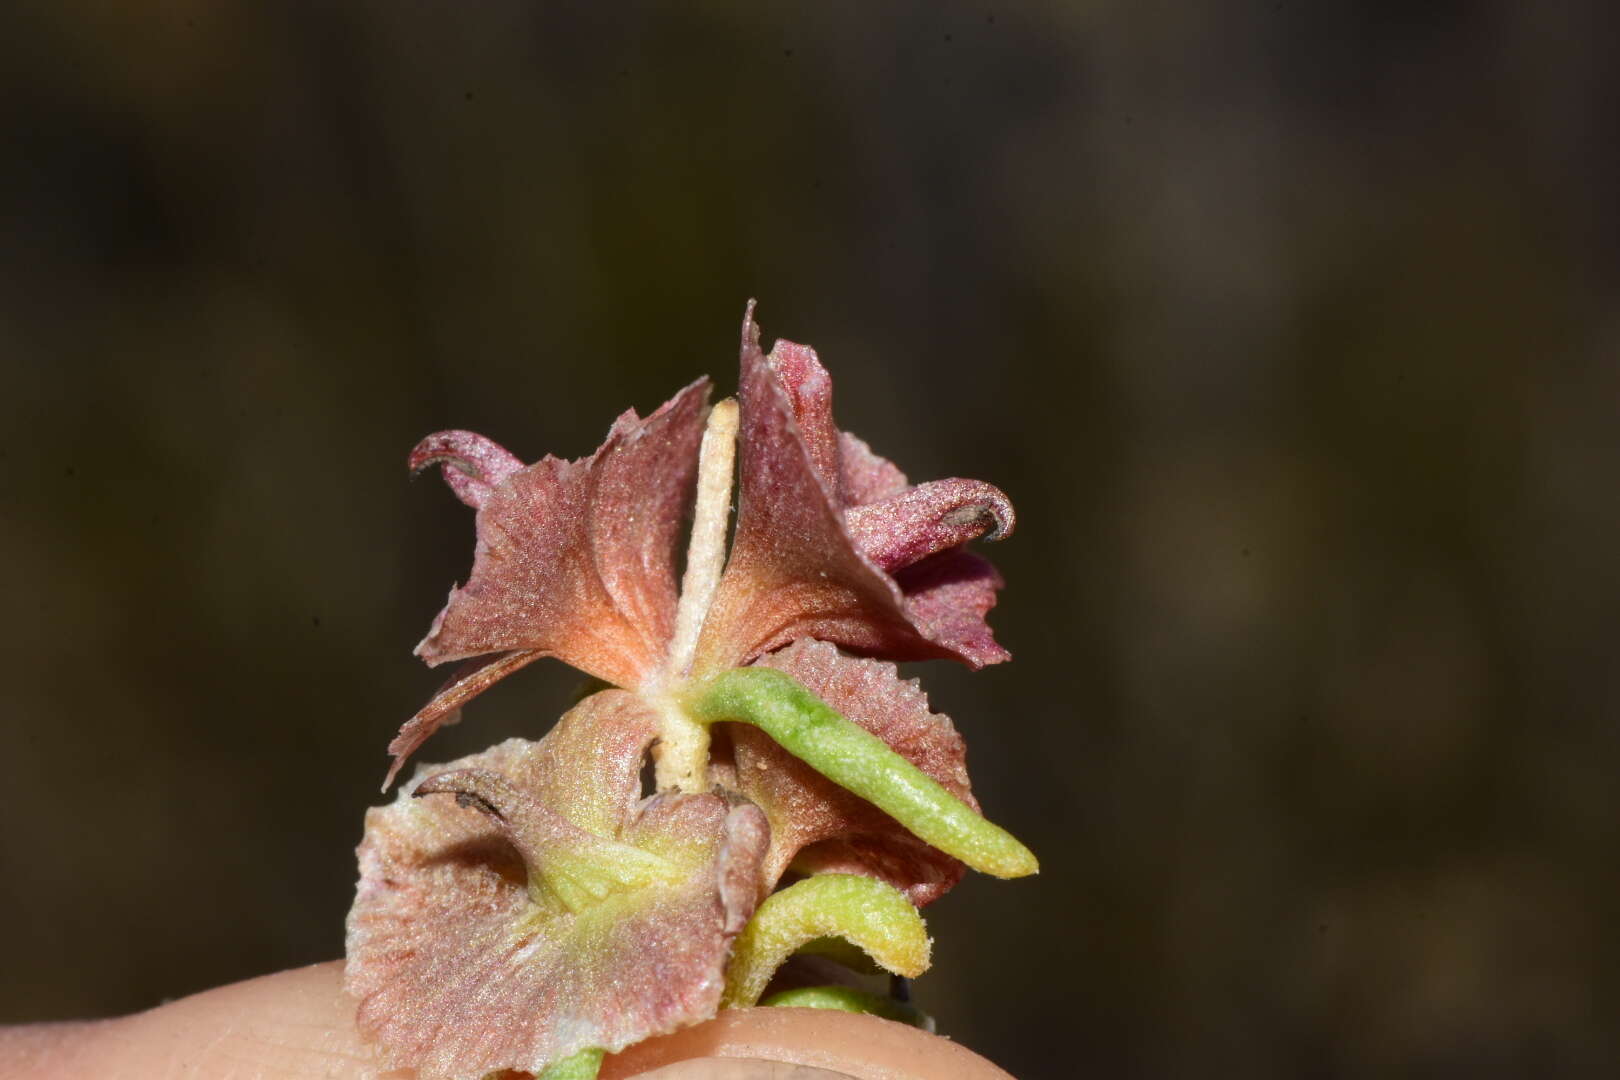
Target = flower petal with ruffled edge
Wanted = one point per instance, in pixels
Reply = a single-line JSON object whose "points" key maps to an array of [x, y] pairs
{"points": [[817, 826], [947, 588], [525, 904], [575, 559], [822, 543]]}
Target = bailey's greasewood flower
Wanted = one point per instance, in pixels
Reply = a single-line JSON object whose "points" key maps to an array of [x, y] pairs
{"points": [[548, 909], [575, 559]]}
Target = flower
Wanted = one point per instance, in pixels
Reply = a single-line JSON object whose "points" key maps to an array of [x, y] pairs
{"points": [[546, 909], [575, 559], [833, 544], [549, 908]]}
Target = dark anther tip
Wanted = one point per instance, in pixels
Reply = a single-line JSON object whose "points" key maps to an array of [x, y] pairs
{"points": [[995, 515]]}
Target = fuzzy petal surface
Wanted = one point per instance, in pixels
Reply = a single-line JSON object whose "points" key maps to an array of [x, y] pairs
{"points": [[825, 527], [471, 463], [535, 906], [867, 476], [951, 593], [817, 826], [927, 519], [947, 589], [574, 559], [471, 679]]}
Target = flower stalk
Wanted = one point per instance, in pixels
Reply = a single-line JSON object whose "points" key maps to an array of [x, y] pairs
{"points": [[854, 759], [868, 914], [850, 999]]}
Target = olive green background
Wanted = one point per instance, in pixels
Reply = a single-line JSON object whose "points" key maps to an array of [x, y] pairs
{"points": [[1292, 330]]}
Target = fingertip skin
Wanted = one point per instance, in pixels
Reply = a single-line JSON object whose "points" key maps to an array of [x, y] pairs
{"points": [[849, 1044], [37, 1051], [301, 1024], [292, 1024]]}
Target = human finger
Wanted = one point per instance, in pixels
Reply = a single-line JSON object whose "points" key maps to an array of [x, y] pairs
{"points": [[300, 1023]]}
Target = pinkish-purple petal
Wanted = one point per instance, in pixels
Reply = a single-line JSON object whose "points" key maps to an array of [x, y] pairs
{"points": [[948, 595], [465, 956], [905, 862], [951, 593], [575, 559], [444, 708], [794, 571], [800, 567], [809, 395], [471, 464], [867, 477]]}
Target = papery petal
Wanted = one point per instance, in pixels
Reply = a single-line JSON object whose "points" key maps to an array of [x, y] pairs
{"points": [[464, 957], [817, 825], [796, 570], [867, 477], [575, 559], [809, 396], [949, 594], [588, 767], [444, 708], [471, 464], [905, 862]]}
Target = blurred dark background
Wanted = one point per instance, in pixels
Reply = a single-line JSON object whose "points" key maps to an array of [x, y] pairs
{"points": [[1291, 329]]}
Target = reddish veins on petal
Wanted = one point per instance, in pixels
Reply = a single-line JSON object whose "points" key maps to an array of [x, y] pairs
{"points": [[471, 464], [470, 680], [575, 559], [530, 905], [825, 527]]}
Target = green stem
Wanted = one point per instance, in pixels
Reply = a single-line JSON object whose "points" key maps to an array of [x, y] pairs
{"points": [[840, 952], [855, 759], [865, 911], [849, 999], [580, 1066]]}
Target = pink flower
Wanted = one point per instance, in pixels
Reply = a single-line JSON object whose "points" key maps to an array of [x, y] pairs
{"points": [[550, 908], [547, 909], [575, 559]]}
